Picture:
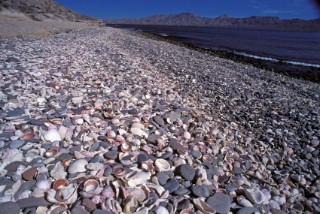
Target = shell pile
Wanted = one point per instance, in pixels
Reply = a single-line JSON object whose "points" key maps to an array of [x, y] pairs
{"points": [[110, 121]]}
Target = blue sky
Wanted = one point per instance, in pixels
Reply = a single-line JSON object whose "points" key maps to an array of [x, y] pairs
{"points": [[305, 9]]}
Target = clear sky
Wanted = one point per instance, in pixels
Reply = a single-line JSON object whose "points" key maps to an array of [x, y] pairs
{"points": [[305, 9]]}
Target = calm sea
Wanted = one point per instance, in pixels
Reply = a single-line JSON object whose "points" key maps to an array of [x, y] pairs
{"points": [[295, 48]]}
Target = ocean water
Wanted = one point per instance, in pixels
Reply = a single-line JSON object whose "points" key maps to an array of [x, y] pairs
{"points": [[287, 47]]}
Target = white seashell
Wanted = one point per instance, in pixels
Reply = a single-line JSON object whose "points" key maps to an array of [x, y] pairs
{"points": [[111, 134], [139, 132], [78, 166], [98, 104], [115, 121], [79, 121], [9, 156], [44, 184], [66, 195], [92, 186], [41, 210], [137, 193], [162, 165], [77, 100], [159, 189], [203, 206], [187, 135], [58, 171], [161, 210], [139, 178], [41, 100], [38, 193], [52, 134], [62, 132], [134, 100], [5, 198], [137, 125]]}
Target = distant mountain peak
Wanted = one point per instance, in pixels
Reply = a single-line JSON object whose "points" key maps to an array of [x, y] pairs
{"points": [[252, 22]]}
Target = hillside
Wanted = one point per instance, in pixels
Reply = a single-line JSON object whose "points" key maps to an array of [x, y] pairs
{"points": [[40, 10]]}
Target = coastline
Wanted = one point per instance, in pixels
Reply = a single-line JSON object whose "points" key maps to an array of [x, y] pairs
{"points": [[154, 126], [297, 71]]}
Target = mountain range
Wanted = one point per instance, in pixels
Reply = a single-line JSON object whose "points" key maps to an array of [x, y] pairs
{"points": [[189, 19], [40, 10]]}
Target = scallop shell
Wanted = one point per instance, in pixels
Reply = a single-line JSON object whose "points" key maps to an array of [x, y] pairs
{"points": [[61, 183], [120, 139], [92, 186], [58, 171], [130, 204], [203, 206], [111, 134], [139, 132], [67, 195], [51, 152], [126, 147], [148, 166], [118, 170], [162, 165], [137, 193], [52, 134], [28, 136], [44, 184], [139, 178], [78, 166], [187, 135]]}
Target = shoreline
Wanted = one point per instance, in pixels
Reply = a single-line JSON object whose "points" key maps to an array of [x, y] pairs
{"points": [[297, 71], [112, 121]]}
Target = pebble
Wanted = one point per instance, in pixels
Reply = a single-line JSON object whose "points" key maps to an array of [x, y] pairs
{"points": [[29, 174], [200, 191], [99, 211], [111, 155], [78, 166], [142, 157], [186, 172], [219, 202], [159, 120], [171, 185], [16, 144], [162, 178], [88, 204], [248, 210], [9, 208], [32, 202], [79, 210]]}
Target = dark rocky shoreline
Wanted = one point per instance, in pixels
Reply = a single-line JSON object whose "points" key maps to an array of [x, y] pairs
{"points": [[296, 71]]}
